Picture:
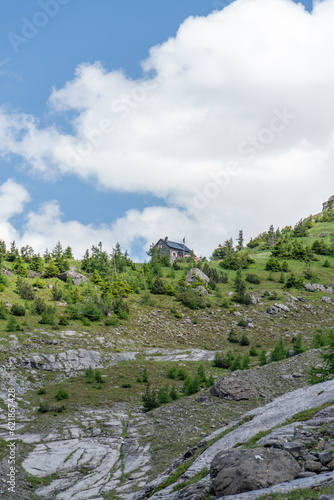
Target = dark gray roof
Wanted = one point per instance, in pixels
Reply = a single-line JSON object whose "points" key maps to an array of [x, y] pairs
{"points": [[178, 246]]}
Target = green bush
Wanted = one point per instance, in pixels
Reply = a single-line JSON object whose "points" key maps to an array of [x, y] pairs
{"points": [[253, 278], [56, 292], [237, 363], [253, 351], [91, 311], [38, 305], [244, 340], [279, 351], [112, 321], [48, 316], [164, 396], [242, 323], [172, 372], [62, 394], [191, 385], [218, 361], [24, 289], [12, 325], [121, 308], [174, 395], [246, 361], [232, 337], [325, 372], [18, 310], [150, 399], [263, 358], [158, 287], [3, 311]]}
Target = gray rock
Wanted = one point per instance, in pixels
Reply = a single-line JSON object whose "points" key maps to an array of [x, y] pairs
{"points": [[233, 388], [236, 471], [76, 278], [327, 300], [312, 466], [282, 307], [194, 274], [272, 310], [316, 287], [325, 457], [196, 491]]}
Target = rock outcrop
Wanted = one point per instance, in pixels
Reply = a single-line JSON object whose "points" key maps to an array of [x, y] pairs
{"points": [[195, 274], [233, 389], [236, 471], [76, 278]]}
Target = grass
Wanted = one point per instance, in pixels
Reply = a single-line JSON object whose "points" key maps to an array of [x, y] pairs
{"points": [[300, 494]]}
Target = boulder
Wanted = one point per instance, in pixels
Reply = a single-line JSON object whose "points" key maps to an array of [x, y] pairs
{"points": [[195, 274], [327, 300], [195, 491], [76, 278], [272, 310], [236, 471], [316, 287], [233, 388], [282, 307]]}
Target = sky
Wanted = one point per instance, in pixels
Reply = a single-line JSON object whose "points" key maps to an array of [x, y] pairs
{"points": [[131, 121]]}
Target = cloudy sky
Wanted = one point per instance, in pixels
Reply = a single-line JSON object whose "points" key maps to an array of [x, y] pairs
{"points": [[131, 121]]}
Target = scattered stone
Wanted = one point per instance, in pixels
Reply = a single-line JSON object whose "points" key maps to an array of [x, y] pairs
{"points": [[327, 300], [272, 310]]}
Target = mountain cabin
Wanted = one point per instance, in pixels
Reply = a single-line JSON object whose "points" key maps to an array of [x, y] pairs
{"points": [[173, 249]]}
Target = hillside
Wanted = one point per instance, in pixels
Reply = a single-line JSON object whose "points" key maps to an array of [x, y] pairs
{"points": [[81, 342]]}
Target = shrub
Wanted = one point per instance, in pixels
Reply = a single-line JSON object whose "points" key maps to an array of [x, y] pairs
{"points": [[253, 351], [112, 321], [263, 358], [126, 386], [218, 361], [56, 292], [145, 376], [158, 287], [38, 305], [91, 311], [174, 395], [3, 311], [41, 391], [226, 303], [150, 399], [48, 316], [253, 278], [24, 289], [232, 337], [327, 263], [182, 374], [279, 351], [228, 359], [38, 283], [191, 385], [18, 310], [246, 361], [244, 340], [12, 325], [294, 282], [273, 264], [298, 347], [320, 339], [242, 323], [163, 395], [172, 372], [201, 374], [62, 394], [236, 363], [121, 308], [326, 371]]}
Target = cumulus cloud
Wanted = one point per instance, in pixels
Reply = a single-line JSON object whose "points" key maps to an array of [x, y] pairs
{"points": [[249, 86]]}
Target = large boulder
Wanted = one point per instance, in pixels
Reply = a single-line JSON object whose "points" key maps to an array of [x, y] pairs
{"points": [[195, 274], [316, 287], [233, 388], [76, 278], [236, 471]]}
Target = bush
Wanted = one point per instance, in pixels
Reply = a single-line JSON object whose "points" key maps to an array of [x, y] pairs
{"points": [[174, 395], [298, 347], [91, 311], [150, 399], [190, 298], [56, 292], [38, 306], [172, 372], [253, 351], [121, 308], [320, 339], [158, 287], [62, 394], [191, 385], [246, 361], [294, 282], [326, 371], [24, 289], [126, 386], [18, 310], [253, 278], [3, 311], [237, 363], [232, 337], [263, 358], [182, 374], [279, 351], [112, 321], [48, 316], [41, 391], [218, 361], [242, 323], [273, 264], [163, 395], [244, 340], [12, 325]]}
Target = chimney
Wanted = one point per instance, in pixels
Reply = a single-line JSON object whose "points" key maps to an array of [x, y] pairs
{"points": [[166, 239]]}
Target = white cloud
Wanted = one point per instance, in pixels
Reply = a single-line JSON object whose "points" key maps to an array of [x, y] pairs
{"points": [[219, 88]]}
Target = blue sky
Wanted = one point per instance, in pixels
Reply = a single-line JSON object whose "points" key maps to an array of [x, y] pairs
{"points": [[42, 46]]}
